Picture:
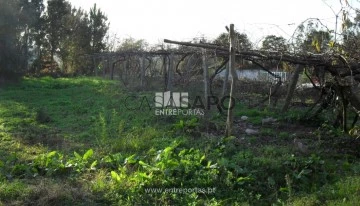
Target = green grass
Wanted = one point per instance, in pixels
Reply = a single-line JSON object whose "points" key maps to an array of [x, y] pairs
{"points": [[344, 192], [73, 141]]}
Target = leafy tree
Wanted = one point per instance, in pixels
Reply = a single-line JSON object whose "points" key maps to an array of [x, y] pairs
{"points": [[17, 24], [131, 44], [274, 43], [57, 12], [242, 41], [311, 36], [77, 41], [99, 28], [317, 41], [31, 16], [8, 33], [351, 43]]}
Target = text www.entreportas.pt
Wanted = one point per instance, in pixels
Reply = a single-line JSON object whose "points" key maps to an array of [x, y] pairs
{"points": [[175, 190]]}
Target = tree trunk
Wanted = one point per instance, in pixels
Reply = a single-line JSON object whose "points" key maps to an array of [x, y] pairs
{"points": [[292, 87], [229, 122]]}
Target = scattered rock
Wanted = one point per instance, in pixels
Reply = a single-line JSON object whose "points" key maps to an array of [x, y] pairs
{"points": [[251, 132], [268, 120], [244, 118], [300, 146]]}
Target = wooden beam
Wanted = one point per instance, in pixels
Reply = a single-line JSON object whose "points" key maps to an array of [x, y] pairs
{"points": [[205, 46]]}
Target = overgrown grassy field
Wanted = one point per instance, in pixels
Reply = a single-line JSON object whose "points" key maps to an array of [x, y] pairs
{"points": [[75, 141]]}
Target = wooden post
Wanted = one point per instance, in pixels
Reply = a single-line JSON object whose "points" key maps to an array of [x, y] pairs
{"points": [[170, 72], [206, 77], [292, 87], [229, 121], [142, 72]]}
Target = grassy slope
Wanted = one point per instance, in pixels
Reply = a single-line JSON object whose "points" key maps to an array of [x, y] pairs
{"points": [[38, 116]]}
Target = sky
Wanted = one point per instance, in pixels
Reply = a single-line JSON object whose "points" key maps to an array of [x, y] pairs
{"points": [[184, 20]]}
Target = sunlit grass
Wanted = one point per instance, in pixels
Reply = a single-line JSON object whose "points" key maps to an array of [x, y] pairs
{"points": [[68, 115]]}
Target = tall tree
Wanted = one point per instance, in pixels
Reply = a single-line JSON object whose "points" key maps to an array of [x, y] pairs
{"points": [[57, 12], [242, 41], [131, 44], [99, 28], [311, 36], [8, 33], [76, 42], [274, 43], [351, 36], [18, 19], [317, 41]]}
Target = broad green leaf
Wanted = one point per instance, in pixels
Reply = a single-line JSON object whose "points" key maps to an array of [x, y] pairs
{"points": [[131, 159], [93, 165], [316, 44], [167, 151], [144, 175], [202, 158], [182, 152], [145, 165], [243, 179], [214, 166], [88, 154], [172, 163], [208, 164], [77, 155], [181, 124], [305, 171], [51, 154], [283, 189], [115, 176], [318, 48]]}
